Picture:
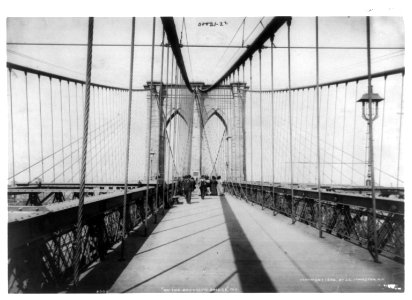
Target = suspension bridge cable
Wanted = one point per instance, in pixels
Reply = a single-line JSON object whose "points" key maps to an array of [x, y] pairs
{"points": [[98, 111], [383, 122], [170, 29], [343, 129], [162, 121], [163, 129], [112, 132], [28, 125], [251, 119], [230, 43], [318, 129], [354, 131], [149, 135], [12, 128], [400, 132], [188, 48], [260, 124], [351, 163], [85, 136], [326, 127], [271, 28], [167, 143], [334, 128], [70, 126], [129, 115], [41, 127], [290, 126]]}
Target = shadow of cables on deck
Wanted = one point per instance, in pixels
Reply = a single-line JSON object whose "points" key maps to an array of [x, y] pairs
{"points": [[253, 277]]}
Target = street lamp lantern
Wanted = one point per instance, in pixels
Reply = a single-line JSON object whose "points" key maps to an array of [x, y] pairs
{"points": [[375, 103], [370, 116]]}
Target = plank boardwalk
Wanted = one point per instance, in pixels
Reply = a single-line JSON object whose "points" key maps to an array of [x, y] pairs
{"points": [[223, 244]]}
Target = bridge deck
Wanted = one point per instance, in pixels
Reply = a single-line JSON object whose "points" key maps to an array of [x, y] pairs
{"points": [[224, 244]]}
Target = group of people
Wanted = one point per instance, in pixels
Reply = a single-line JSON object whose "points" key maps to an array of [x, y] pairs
{"points": [[211, 186], [208, 186]]}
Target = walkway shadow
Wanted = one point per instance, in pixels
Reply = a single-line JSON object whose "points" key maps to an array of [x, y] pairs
{"points": [[101, 278], [253, 277]]}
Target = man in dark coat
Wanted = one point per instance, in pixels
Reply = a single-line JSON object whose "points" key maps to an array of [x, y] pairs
{"points": [[213, 186], [203, 187], [187, 188]]}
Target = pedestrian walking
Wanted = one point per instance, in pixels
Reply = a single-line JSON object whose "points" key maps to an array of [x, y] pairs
{"points": [[187, 186], [203, 187], [219, 186]]}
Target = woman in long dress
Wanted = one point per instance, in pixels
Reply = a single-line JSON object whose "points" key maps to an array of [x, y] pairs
{"points": [[219, 186]]}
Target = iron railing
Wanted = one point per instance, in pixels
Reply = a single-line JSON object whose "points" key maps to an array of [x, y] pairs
{"points": [[41, 239], [347, 216]]}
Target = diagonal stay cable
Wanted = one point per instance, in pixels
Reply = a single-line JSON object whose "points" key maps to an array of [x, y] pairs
{"points": [[218, 152]]}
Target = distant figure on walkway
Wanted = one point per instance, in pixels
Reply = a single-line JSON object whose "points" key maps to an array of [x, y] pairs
{"points": [[203, 187], [207, 185], [193, 182], [213, 186], [220, 191], [187, 186]]}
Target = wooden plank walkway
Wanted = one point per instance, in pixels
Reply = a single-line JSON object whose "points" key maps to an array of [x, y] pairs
{"points": [[223, 244]]}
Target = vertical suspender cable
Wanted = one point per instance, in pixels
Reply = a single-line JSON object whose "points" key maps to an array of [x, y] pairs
{"points": [[334, 131], [84, 153], [290, 127], [41, 132], [343, 133], [371, 160], [70, 129], [354, 133], [61, 123], [99, 124], [77, 128], [12, 128], [400, 131], [383, 122], [162, 115], [318, 128], [272, 115], [237, 126], [260, 125], [165, 133], [174, 106], [28, 126], [106, 106], [129, 114], [52, 128], [149, 136], [243, 124], [251, 120]]}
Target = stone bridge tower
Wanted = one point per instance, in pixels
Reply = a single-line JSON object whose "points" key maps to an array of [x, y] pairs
{"points": [[227, 103]]}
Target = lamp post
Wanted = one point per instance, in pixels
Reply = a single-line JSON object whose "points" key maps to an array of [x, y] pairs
{"points": [[371, 115], [370, 103]]}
